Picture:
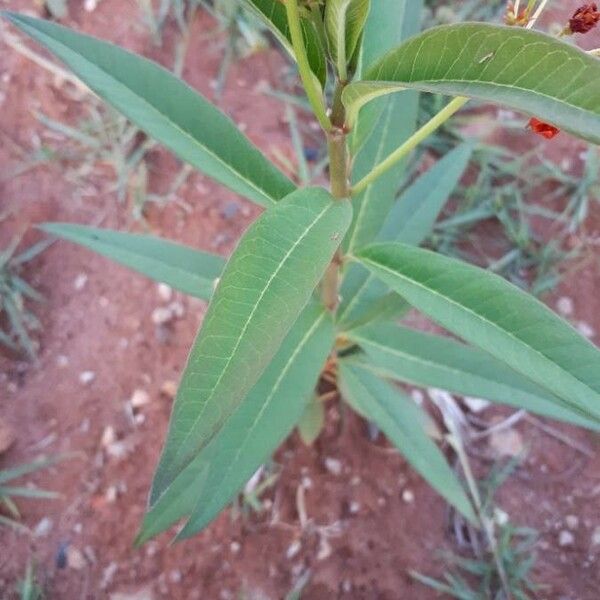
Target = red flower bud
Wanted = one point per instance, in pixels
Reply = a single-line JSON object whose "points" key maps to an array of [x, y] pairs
{"points": [[544, 129], [585, 18]]}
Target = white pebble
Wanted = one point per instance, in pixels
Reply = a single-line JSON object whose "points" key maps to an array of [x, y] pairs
{"points": [[333, 465], [90, 5], [565, 538], [572, 521], [108, 436], [596, 537], [80, 282], [235, 547], [139, 398], [161, 316], [354, 508], [43, 528], [586, 330], [294, 549], [565, 306], [87, 377], [165, 292], [408, 496]]}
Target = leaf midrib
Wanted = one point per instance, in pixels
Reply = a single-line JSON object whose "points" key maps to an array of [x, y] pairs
{"points": [[265, 289], [488, 322]]}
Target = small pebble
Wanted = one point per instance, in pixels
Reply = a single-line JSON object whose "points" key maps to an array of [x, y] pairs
{"points": [[354, 508], [90, 5], [108, 575], [408, 496], [62, 361], [86, 377], [108, 436], [169, 389], [565, 306], [75, 559], [80, 282], [565, 538], [333, 465], [175, 576], [165, 292], [139, 398], [111, 494], [596, 537], [162, 316], [235, 547], [294, 549], [43, 528], [586, 330], [325, 549], [572, 521]]}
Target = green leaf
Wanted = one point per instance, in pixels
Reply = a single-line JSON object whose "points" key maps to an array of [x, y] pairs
{"points": [[272, 13], [410, 221], [265, 417], [413, 217], [432, 361], [186, 269], [344, 24], [265, 285], [165, 107], [496, 316], [389, 22], [311, 422], [523, 69], [403, 422]]}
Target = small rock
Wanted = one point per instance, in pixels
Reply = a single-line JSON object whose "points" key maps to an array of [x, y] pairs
{"points": [[235, 547], [169, 389], [139, 398], [86, 377], [177, 309], [90, 555], [77, 528], [90, 5], [333, 465], [111, 494], [565, 538], [354, 508], [7, 436], [596, 537], [565, 306], [175, 576], [162, 316], [507, 442], [325, 549], [108, 575], [572, 521], [118, 450], [293, 549], [408, 496], [586, 330], [501, 517], [75, 559], [165, 292], [108, 436], [80, 282], [143, 594], [43, 528], [476, 405], [151, 549], [347, 586]]}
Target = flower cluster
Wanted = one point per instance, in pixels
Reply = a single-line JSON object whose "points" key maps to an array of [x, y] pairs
{"points": [[584, 19]]}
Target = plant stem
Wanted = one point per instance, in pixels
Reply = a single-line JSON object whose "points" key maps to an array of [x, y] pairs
{"points": [[315, 95], [340, 189], [410, 144]]}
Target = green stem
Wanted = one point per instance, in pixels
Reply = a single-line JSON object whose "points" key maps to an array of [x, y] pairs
{"points": [[410, 144], [340, 189], [315, 96]]}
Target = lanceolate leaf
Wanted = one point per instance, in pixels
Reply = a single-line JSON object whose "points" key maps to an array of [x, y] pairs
{"points": [[410, 221], [344, 23], [523, 69], [434, 361], [272, 12], [164, 107], [252, 433], [265, 285], [403, 422], [494, 315], [186, 269]]}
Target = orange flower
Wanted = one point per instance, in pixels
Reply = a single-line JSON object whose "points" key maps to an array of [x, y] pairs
{"points": [[544, 129], [512, 18], [584, 19]]}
